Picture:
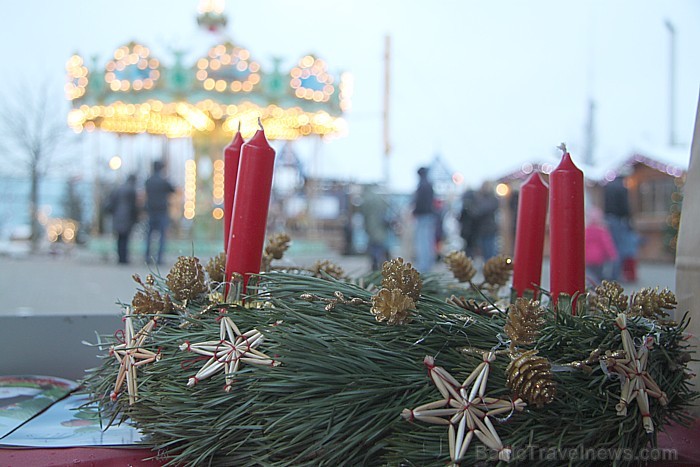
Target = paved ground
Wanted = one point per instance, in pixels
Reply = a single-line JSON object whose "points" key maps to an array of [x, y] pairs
{"points": [[85, 283], [82, 283]]}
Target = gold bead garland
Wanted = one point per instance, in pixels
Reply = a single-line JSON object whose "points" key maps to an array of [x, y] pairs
{"points": [[331, 303]]}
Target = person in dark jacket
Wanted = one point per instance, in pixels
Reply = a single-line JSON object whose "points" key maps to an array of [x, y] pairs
{"points": [[158, 191], [485, 207], [125, 215], [467, 223], [424, 213], [619, 220], [375, 211]]}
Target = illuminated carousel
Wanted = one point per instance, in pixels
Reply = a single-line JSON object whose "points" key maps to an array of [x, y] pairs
{"points": [[204, 100]]}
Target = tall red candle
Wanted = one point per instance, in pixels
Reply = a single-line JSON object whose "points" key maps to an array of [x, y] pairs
{"points": [[250, 206], [529, 235], [566, 229], [232, 155]]}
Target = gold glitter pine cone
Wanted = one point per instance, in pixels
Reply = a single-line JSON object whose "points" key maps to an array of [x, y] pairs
{"points": [[608, 297], [186, 278], [461, 266], [530, 378], [150, 301], [321, 268], [216, 267], [652, 304], [525, 319], [392, 306], [498, 269], [402, 276], [277, 244]]}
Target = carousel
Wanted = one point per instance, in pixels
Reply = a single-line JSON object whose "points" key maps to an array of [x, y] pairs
{"points": [[200, 101]]}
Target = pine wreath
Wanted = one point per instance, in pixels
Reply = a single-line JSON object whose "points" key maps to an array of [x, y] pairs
{"points": [[341, 378]]}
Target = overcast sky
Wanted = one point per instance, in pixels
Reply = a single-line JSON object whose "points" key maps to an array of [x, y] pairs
{"points": [[487, 85]]}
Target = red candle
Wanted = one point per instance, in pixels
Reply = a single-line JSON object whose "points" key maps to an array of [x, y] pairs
{"points": [[529, 235], [566, 229], [250, 205], [232, 155]]}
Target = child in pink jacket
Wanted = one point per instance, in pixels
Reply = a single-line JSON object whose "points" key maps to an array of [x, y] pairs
{"points": [[600, 248]]}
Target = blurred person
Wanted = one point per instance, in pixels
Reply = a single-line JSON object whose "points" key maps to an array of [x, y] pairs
{"points": [[619, 220], [348, 239], [485, 207], [467, 223], [125, 214], [439, 210], [425, 223], [513, 201], [158, 190], [600, 247], [375, 211]]}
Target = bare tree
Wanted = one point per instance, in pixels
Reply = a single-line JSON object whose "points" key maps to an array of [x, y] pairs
{"points": [[33, 128]]}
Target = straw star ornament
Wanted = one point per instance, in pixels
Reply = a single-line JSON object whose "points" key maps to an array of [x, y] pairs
{"points": [[636, 382], [227, 353], [130, 354], [466, 409]]}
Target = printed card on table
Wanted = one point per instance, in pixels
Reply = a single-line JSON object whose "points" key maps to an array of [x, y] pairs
{"points": [[63, 425], [23, 397]]}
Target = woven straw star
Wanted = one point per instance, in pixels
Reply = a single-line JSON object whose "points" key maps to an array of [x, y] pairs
{"points": [[227, 353], [130, 354], [636, 382], [466, 409]]}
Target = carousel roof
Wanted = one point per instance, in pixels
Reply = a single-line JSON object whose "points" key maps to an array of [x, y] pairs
{"points": [[135, 91]]}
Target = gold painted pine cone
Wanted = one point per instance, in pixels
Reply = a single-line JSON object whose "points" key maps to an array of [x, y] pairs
{"points": [[277, 244], [321, 268], [480, 308], [461, 266], [530, 378], [497, 270], [216, 267], [392, 306]]}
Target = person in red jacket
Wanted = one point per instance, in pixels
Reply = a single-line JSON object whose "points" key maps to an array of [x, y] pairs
{"points": [[600, 247]]}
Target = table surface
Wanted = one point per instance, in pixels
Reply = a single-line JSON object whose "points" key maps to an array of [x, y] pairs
{"points": [[686, 442], [43, 429]]}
